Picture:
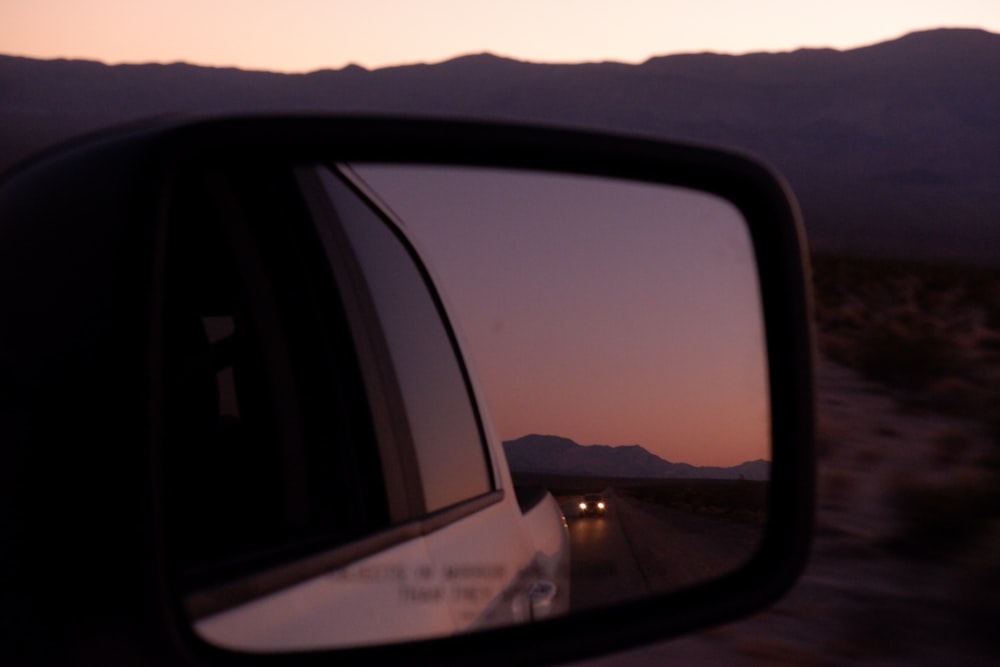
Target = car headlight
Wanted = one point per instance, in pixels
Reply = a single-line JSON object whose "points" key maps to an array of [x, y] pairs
{"points": [[583, 506], [600, 506]]}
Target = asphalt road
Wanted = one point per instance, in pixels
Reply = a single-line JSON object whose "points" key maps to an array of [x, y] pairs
{"points": [[640, 547]]}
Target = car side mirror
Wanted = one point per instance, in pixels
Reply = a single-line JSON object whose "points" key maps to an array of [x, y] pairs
{"points": [[405, 390]]}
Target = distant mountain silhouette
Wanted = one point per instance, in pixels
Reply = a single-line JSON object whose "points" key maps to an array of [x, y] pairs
{"points": [[561, 456], [892, 148]]}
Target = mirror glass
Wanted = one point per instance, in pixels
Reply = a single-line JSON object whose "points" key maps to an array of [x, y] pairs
{"points": [[615, 347], [616, 331]]}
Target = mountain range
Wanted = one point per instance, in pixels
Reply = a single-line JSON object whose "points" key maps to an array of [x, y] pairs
{"points": [[554, 455], [892, 149]]}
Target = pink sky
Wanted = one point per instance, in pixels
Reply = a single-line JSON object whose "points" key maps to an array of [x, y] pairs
{"points": [[606, 312], [305, 35]]}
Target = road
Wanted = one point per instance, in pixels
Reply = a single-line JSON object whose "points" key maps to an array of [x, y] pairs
{"points": [[639, 547]]}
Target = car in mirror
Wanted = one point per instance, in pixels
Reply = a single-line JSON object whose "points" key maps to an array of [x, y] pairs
{"points": [[396, 389], [592, 504]]}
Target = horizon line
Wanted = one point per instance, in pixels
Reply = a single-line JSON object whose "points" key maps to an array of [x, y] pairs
{"points": [[351, 65]]}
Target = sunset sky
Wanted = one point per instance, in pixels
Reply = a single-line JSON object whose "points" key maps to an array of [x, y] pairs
{"points": [[304, 35], [714, 413], [604, 311]]}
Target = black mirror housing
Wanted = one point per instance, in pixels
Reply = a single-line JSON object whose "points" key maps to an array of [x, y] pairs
{"points": [[82, 238]]}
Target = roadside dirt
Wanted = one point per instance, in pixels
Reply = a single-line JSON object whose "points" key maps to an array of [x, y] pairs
{"points": [[873, 592]]}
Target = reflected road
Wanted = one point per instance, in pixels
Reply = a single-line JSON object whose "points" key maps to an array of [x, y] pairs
{"points": [[640, 547]]}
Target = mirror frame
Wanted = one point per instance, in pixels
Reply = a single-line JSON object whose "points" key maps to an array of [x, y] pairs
{"points": [[777, 235], [128, 172]]}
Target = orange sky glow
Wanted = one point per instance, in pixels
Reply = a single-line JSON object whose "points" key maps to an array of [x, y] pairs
{"points": [[306, 35], [603, 311]]}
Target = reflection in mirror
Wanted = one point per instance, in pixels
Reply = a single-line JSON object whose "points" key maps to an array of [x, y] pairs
{"points": [[616, 381], [616, 329]]}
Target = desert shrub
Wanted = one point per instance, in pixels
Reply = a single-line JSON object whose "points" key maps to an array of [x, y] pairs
{"points": [[900, 322], [835, 489], [870, 457], [734, 499], [992, 422], [830, 435], [951, 446], [962, 397], [908, 359], [978, 601], [935, 521], [990, 345], [983, 292]]}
